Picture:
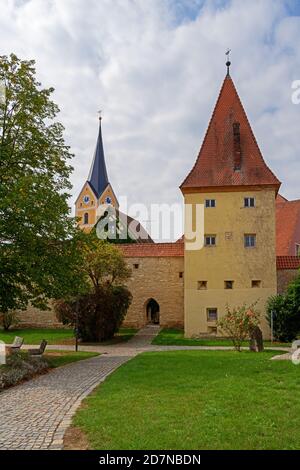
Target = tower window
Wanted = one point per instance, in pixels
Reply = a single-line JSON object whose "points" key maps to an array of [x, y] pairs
{"points": [[202, 285], [256, 283], [249, 202], [250, 240], [228, 284], [210, 203], [181, 274], [86, 218], [210, 240], [212, 314]]}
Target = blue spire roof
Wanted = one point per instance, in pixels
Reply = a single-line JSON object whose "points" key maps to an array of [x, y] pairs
{"points": [[98, 175]]}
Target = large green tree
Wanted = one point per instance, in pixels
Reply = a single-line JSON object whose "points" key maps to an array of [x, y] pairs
{"points": [[38, 238], [99, 309]]}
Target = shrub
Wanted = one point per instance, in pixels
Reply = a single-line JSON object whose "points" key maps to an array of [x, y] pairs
{"points": [[100, 313], [9, 319], [20, 367], [286, 316], [238, 322]]}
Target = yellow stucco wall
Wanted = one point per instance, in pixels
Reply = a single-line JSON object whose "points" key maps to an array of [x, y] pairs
{"points": [[90, 208], [229, 259]]}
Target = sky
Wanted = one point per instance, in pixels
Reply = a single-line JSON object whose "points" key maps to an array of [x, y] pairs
{"points": [[155, 68]]}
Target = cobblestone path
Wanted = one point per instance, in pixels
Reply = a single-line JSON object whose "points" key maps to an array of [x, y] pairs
{"points": [[36, 414]]}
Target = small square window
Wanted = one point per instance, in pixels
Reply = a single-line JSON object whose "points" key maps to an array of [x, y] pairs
{"points": [[181, 274], [228, 284], [212, 314], [210, 203], [250, 240], [249, 202], [256, 283], [210, 240], [202, 285], [136, 266], [212, 330]]}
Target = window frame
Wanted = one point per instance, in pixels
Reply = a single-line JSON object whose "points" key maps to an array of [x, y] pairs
{"points": [[225, 285], [208, 311], [246, 235], [209, 205], [202, 285], [249, 199], [86, 218], [210, 237]]}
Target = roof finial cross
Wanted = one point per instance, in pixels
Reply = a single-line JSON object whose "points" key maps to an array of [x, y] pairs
{"points": [[100, 114], [228, 63]]}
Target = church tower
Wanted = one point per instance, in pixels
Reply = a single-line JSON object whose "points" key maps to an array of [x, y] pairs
{"points": [[230, 178], [96, 191]]}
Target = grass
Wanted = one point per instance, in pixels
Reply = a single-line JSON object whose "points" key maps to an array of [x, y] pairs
{"points": [[35, 335], [195, 400], [56, 335], [169, 337], [62, 358]]}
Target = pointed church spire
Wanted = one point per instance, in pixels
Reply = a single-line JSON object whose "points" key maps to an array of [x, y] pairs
{"points": [[98, 178]]}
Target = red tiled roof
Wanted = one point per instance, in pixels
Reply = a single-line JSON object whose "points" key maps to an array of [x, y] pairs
{"points": [[152, 250], [287, 227], [218, 155], [176, 249], [288, 262]]}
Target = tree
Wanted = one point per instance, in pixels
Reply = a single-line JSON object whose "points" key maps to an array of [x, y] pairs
{"points": [[101, 309], [238, 323], [38, 238], [285, 309]]}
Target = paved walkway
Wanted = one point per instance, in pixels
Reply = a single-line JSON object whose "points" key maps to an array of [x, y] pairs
{"points": [[36, 414]]}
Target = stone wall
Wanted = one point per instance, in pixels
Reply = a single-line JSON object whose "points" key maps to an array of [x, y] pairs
{"points": [[157, 278], [36, 318], [284, 277]]}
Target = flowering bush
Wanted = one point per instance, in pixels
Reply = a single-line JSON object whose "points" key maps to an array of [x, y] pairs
{"points": [[20, 367], [238, 323]]}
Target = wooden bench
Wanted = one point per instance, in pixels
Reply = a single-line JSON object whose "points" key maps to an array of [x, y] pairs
{"points": [[39, 351]]}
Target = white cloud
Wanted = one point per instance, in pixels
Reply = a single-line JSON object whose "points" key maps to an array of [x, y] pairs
{"points": [[155, 68]]}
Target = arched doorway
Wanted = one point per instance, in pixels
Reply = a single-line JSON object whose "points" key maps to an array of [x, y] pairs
{"points": [[152, 312]]}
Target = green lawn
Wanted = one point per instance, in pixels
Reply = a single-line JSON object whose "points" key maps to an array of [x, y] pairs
{"points": [[195, 400], [55, 335], [169, 337], [61, 358]]}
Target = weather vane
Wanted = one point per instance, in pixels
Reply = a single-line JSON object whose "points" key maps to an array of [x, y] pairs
{"points": [[228, 63]]}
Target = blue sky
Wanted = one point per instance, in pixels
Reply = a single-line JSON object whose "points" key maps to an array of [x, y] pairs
{"points": [[155, 68]]}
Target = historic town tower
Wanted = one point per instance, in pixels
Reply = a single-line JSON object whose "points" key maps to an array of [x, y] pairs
{"points": [[237, 264]]}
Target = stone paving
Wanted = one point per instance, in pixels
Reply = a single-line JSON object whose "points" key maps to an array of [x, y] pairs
{"points": [[35, 414]]}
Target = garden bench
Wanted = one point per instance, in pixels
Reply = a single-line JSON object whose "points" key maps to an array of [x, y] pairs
{"points": [[16, 345], [39, 351]]}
